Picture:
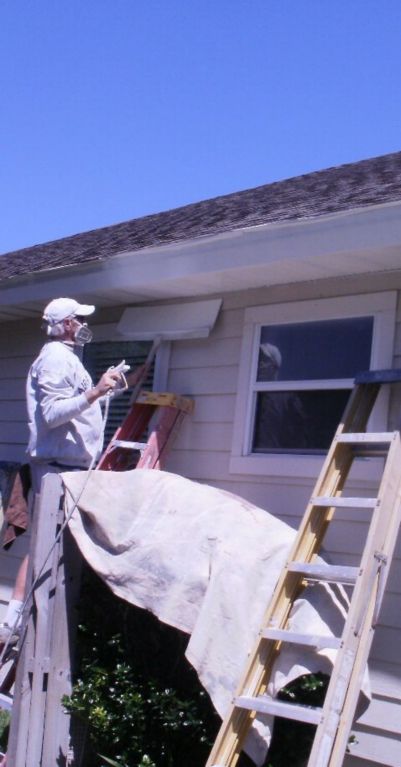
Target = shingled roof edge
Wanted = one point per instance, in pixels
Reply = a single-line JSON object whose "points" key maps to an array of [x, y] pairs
{"points": [[339, 188]]}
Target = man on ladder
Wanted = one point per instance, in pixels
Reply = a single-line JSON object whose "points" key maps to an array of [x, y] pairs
{"points": [[64, 414]]}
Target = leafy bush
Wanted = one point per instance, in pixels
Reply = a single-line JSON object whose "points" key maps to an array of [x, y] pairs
{"points": [[4, 728], [142, 702], [292, 740]]}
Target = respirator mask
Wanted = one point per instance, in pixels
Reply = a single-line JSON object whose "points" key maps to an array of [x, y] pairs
{"points": [[83, 335]]}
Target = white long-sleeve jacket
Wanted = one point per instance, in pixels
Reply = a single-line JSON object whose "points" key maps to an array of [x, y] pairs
{"points": [[63, 426]]}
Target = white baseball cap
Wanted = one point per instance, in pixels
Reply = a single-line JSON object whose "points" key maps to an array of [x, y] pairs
{"points": [[61, 308]]}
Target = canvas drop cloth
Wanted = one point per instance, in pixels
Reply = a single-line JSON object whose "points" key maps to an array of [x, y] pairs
{"points": [[204, 561]]}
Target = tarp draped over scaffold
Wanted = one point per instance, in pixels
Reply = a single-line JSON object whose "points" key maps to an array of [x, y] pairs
{"points": [[204, 561]]}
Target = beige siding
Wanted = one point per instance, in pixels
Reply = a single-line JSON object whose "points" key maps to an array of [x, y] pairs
{"points": [[19, 343], [208, 370]]}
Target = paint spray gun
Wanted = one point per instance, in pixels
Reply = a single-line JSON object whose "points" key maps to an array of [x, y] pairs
{"points": [[121, 368]]}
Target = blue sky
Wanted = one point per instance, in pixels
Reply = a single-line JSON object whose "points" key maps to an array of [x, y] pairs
{"points": [[112, 109]]}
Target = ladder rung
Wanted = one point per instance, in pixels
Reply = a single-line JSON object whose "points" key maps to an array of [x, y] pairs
{"points": [[126, 445], [263, 704], [342, 501], [329, 573], [311, 640], [383, 437]]}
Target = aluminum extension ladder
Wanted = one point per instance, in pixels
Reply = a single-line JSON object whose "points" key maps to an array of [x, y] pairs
{"points": [[333, 721], [159, 414]]}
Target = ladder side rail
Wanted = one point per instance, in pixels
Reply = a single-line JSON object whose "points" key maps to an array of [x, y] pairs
{"points": [[161, 437], [388, 522], [359, 407], [346, 679]]}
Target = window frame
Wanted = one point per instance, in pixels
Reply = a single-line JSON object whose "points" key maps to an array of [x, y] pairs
{"points": [[381, 306]]}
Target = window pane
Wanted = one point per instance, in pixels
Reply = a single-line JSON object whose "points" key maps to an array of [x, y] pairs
{"points": [[303, 421], [315, 350]]}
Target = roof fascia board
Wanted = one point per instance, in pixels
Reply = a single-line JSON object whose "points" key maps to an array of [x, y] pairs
{"points": [[279, 251]]}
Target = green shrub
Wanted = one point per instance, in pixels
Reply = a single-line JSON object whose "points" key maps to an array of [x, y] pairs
{"points": [[292, 740], [142, 702], [4, 728]]}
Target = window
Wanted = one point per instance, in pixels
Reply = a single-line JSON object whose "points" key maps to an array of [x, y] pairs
{"points": [[298, 364], [299, 391]]}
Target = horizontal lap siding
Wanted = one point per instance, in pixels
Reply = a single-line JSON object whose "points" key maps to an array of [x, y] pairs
{"points": [[19, 344], [208, 370]]}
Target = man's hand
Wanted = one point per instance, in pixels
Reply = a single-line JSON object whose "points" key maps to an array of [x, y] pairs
{"points": [[106, 383]]}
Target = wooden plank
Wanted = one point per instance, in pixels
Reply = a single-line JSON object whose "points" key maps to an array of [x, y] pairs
{"points": [[327, 573], [57, 721], [341, 501], [265, 705], [31, 687], [366, 436], [309, 640], [44, 569]]}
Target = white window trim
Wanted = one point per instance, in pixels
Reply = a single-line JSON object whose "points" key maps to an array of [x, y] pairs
{"points": [[383, 308]]}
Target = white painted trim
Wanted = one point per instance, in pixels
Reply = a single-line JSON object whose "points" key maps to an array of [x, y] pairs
{"points": [[192, 319], [360, 241], [162, 364], [381, 305]]}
